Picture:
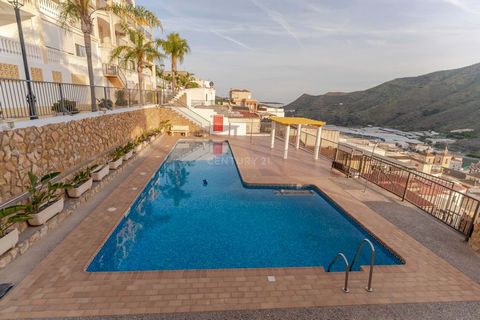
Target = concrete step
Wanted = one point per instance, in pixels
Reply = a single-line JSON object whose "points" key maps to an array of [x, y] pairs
{"points": [[177, 119]]}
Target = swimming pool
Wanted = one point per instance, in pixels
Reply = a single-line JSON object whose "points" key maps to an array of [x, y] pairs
{"points": [[195, 213]]}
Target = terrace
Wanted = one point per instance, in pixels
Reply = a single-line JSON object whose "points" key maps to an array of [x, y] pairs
{"points": [[439, 267]]}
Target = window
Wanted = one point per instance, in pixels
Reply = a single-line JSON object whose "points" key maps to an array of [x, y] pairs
{"points": [[80, 50]]}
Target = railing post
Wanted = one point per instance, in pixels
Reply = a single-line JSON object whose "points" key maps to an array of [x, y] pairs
{"points": [[62, 102], [105, 97], [406, 186], [129, 98], [334, 156], [475, 215]]}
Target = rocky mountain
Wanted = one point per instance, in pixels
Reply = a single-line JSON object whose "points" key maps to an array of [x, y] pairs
{"points": [[440, 101]]}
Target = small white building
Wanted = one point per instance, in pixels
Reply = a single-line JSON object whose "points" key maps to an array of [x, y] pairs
{"points": [[204, 96]]}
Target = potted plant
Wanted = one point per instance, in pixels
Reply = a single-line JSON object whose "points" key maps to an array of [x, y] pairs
{"points": [[65, 106], [45, 201], [121, 98], [151, 135], [128, 151], [9, 216], [105, 104], [117, 158], [141, 142], [138, 145], [100, 172], [164, 126], [80, 183]]}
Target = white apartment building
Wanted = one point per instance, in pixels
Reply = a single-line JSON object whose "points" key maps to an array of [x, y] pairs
{"points": [[58, 55]]}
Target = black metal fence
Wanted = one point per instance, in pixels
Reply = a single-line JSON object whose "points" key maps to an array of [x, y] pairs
{"points": [[436, 196], [433, 195], [52, 98]]}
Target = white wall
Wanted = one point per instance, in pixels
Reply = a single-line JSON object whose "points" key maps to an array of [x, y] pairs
{"points": [[196, 96], [233, 129], [239, 129]]}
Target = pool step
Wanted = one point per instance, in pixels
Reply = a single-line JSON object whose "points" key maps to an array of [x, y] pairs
{"points": [[287, 192]]}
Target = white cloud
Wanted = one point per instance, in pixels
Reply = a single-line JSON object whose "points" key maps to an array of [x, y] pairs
{"points": [[467, 6], [241, 44], [278, 18]]}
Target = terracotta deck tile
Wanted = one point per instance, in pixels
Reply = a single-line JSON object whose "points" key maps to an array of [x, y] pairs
{"points": [[71, 291]]}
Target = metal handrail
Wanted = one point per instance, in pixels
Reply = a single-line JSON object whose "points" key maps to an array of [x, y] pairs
{"points": [[194, 117], [372, 261], [347, 269]]}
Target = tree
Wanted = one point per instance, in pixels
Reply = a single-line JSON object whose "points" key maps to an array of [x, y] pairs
{"points": [[187, 80], [142, 51], [138, 14], [176, 48], [72, 12]]}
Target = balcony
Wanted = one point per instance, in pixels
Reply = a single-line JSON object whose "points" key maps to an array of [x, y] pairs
{"points": [[114, 74], [11, 47], [64, 58], [49, 8]]}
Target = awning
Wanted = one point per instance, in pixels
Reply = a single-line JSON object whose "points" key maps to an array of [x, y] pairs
{"points": [[288, 121]]}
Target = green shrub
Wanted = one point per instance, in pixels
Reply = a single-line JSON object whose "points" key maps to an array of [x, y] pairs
{"points": [[82, 176], [105, 104], [43, 191], [68, 106], [11, 215], [117, 153], [120, 98]]}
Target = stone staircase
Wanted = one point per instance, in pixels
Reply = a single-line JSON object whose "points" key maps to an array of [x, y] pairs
{"points": [[177, 119], [178, 104], [179, 100]]}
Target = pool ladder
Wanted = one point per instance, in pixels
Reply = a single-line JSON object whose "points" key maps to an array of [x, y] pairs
{"points": [[349, 267]]}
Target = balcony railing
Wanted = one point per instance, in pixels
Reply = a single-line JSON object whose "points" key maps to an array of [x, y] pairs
{"points": [[10, 46], [61, 57], [195, 103], [51, 99], [49, 8]]}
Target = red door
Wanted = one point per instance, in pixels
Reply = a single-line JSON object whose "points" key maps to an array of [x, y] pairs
{"points": [[217, 123]]}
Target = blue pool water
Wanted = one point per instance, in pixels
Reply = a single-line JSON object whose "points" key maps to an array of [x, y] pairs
{"points": [[180, 222]]}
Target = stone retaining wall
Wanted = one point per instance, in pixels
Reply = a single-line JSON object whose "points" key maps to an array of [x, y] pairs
{"points": [[62, 146], [70, 206]]}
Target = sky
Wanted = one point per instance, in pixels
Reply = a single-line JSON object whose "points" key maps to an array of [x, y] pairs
{"points": [[280, 49]]}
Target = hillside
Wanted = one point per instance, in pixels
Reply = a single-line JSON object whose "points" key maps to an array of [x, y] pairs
{"points": [[440, 101]]}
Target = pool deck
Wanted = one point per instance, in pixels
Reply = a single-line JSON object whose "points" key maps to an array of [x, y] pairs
{"points": [[59, 286]]}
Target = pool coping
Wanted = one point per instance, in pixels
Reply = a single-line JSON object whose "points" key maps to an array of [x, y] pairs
{"points": [[247, 185]]}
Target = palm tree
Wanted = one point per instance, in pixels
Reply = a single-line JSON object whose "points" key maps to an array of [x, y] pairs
{"points": [[142, 51], [176, 48], [187, 80], [140, 15], [72, 12]]}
